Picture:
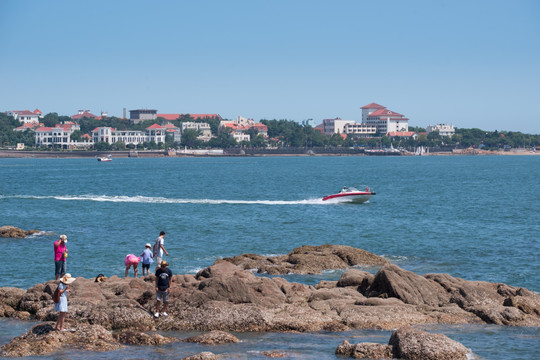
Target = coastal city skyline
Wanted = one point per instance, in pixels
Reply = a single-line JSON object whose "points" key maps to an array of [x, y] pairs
{"points": [[438, 62]]}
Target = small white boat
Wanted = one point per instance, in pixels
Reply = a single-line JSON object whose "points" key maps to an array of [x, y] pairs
{"points": [[350, 195], [105, 158]]}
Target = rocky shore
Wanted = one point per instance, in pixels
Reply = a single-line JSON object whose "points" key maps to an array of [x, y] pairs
{"points": [[227, 297]]}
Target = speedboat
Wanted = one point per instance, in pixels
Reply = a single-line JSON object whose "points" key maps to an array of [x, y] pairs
{"points": [[350, 195], [104, 158]]}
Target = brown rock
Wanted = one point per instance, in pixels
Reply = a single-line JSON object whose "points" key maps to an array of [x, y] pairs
{"points": [[412, 344], [42, 339], [15, 233], [215, 337], [308, 260], [140, 338], [364, 350], [274, 354], [358, 278], [205, 355], [392, 281]]}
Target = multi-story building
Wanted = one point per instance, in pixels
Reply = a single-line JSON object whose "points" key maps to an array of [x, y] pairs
{"points": [[84, 114], [138, 115], [241, 126], [154, 133], [442, 129], [25, 116], [205, 132], [385, 120], [335, 126], [360, 129], [59, 136]]}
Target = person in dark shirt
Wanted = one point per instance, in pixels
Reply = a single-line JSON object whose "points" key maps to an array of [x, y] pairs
{"points": [[163, 284]]}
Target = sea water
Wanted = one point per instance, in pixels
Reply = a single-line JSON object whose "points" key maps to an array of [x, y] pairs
{"points": [[474, 217]]}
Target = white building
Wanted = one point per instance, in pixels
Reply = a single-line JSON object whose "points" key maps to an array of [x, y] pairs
{"points": [[385, 120], [25, 116], [205, 132], [442, 129], [154, 133], [59, 136], [360, 129], [335, 126]]}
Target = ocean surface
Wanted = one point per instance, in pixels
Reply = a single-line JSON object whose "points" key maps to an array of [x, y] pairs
{"points": [[474, 217]]}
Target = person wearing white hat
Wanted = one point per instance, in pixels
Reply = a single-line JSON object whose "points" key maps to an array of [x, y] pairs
{"points": [[147, 259], [60, 256], [62, 306]]}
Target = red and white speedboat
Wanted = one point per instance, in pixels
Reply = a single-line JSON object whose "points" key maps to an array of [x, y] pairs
{"points": [[350, 195]]}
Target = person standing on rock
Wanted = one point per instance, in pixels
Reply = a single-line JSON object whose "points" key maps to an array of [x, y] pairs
{"points": [[60, 256], [62, 305], [163, 284], [159, 249]]}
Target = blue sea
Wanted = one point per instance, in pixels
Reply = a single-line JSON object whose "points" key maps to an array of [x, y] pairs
{"points": [[474, 217]]}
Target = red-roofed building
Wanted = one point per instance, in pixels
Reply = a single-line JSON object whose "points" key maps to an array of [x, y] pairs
{"points": [[241, 126], [59, 136], [385, 120], [28, 126], [84, 114], [38, 113], [24, 116], [403, 134]]}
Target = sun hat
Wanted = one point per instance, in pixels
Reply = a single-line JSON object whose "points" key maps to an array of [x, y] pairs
{"points": [[67, 279], [148, 245], [164, 263], [63, 237]]}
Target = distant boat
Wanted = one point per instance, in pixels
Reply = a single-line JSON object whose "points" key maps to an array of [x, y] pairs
{"points": [[350, 195], [105, 158]]}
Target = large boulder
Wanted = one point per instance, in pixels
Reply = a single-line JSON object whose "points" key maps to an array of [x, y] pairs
{"points": [[364, 350], [407, 343], [215, 337], [42, 339], [412, 344], [392, 281], [308, 260]]}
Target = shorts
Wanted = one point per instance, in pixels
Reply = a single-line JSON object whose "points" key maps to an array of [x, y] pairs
{"points": [[59, 267], [158, 260], [146, 266], [162, 296]]}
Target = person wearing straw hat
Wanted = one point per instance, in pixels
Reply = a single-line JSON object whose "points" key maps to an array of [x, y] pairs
{"points": [[60, 256], [62, 305], [147, 259], [163, 283]]}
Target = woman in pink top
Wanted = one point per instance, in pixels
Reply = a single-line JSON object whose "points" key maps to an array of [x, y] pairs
{"points": [[60, 255]]}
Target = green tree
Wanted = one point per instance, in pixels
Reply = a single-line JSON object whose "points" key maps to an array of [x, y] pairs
{"points": [[102, 146], [189, 138]]}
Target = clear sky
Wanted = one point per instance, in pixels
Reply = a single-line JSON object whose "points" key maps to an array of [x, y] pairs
{"points": [[469, 63]]}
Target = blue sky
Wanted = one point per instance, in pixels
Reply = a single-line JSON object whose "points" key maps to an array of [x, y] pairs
{"points": [[468, 63]]}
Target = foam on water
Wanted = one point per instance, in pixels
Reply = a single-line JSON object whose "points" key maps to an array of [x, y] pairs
{"points": [[163, 200]]}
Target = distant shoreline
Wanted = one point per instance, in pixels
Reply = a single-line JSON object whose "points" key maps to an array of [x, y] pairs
{"points": [[21, 154]]}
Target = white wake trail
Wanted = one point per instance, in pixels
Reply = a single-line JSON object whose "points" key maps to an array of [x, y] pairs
{"points": [[163, 200]]}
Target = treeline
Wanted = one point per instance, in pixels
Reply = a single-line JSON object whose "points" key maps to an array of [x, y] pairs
{"points": [[281, 133]]}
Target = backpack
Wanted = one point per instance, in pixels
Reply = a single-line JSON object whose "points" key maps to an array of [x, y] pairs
{"points": [[156, 247], [56, 295]]}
